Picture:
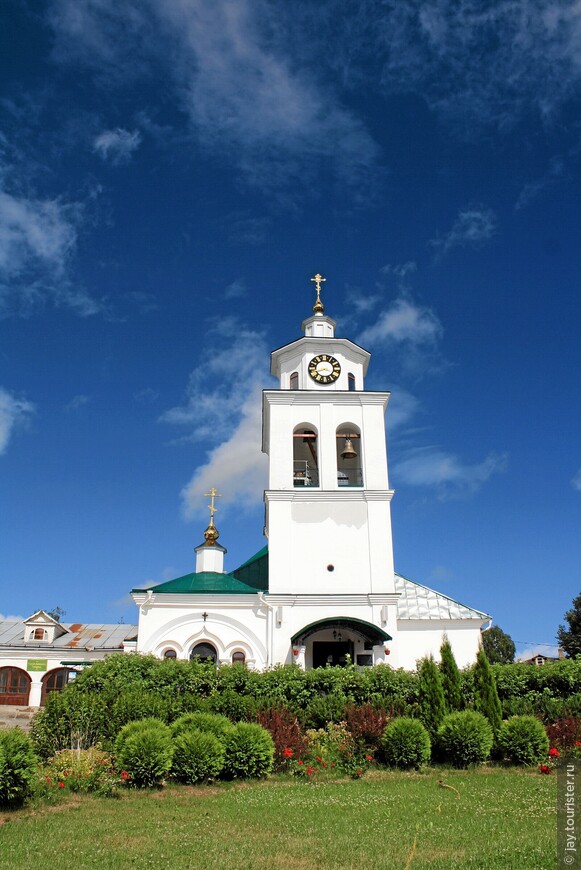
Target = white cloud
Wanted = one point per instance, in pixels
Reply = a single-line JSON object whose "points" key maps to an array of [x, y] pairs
{"points": [[10, 618], [403, 407], [435, 468], [77, 402], [474, 226], [14, 412], [235, 290], [37, 241], [234, 76], [222, 409], [118, 145], [576, 481], [480, 63], [403, 322]]}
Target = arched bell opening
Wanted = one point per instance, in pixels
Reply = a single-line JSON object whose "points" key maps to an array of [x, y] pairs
{"points": [[339, 642], [305, 456], [349, 461]]}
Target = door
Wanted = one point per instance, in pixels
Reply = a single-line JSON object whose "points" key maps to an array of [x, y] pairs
{"points": [[14, 686]]}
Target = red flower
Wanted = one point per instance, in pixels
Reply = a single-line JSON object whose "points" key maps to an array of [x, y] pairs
{"points": [[300, 762], [358, 772], [319, 758], [324, 763], [49, 780], [544, 768], [288, 753], [61, 785], [578, 743], [124, 775], [554, 753], [369, 757], [310, 770]]}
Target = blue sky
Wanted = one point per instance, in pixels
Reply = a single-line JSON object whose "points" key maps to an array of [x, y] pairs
{"points": [[173, 172]]}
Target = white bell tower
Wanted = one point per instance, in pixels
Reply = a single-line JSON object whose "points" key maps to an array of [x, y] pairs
{"points": [[328, 516]]}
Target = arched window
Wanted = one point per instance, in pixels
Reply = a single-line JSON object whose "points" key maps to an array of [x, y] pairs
{"points": [[14, 686], [294, 381], [349, 466], [170, 654], [205, 652], [238, 657], [351, 381], [305, 457], [54, 681], [39, 634]]}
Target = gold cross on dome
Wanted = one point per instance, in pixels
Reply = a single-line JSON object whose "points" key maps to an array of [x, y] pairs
{"points": [[213, 494], [318, 279]]}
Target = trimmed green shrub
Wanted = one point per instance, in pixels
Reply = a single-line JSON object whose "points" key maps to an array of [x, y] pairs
{"points": [[432, 704], [249, 751], [198, 756], [17, 767], [135, 704], [144, 749], [210, 723], [406, 743], [523, 740], [451, 681], [465, 738]]}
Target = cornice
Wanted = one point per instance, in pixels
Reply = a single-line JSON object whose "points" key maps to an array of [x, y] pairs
{"points": [[299, 600], [343, 494], [319, 397]]}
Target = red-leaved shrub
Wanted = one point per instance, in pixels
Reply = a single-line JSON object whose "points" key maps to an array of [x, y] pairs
{"points": [[284, 727]]}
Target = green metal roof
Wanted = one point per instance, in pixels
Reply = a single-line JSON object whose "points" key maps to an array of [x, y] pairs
{"points": [[206, 582], [367, 629], [254, 572]]}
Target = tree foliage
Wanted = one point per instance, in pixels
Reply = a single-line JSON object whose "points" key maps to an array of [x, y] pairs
{"points": [[498, 646], [570, 639]]}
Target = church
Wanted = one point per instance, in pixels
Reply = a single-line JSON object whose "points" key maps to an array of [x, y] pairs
{"points": [[322, 591]]}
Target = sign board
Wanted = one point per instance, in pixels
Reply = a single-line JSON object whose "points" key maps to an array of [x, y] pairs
{"points": [[36, 664]]}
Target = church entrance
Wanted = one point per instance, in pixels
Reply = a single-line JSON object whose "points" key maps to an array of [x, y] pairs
{"points": [[333, 652]]}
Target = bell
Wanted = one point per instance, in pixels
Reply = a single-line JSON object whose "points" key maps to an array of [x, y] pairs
{"points": [[348, 452]]}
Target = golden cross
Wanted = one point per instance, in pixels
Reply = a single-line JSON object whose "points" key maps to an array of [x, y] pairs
{"points": [[318, 279], [212, 494]]}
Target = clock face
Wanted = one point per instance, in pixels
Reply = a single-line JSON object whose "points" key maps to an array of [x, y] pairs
{"points": [[324, 369]]}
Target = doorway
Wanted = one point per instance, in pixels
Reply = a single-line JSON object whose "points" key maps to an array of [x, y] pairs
{"points": [[332, 652]]}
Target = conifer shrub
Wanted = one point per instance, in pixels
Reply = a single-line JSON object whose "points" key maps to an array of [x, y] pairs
{"points": [[486, 700], [523, 740], [198, 756], [451, 680], [144, 749], [249, 751], [210, 723], [432, 704], [134, 704], [465, 738], [18, 764], [406, 743]]}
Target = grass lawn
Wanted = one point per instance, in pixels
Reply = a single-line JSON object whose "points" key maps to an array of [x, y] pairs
{"points": [[495, 818]]}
